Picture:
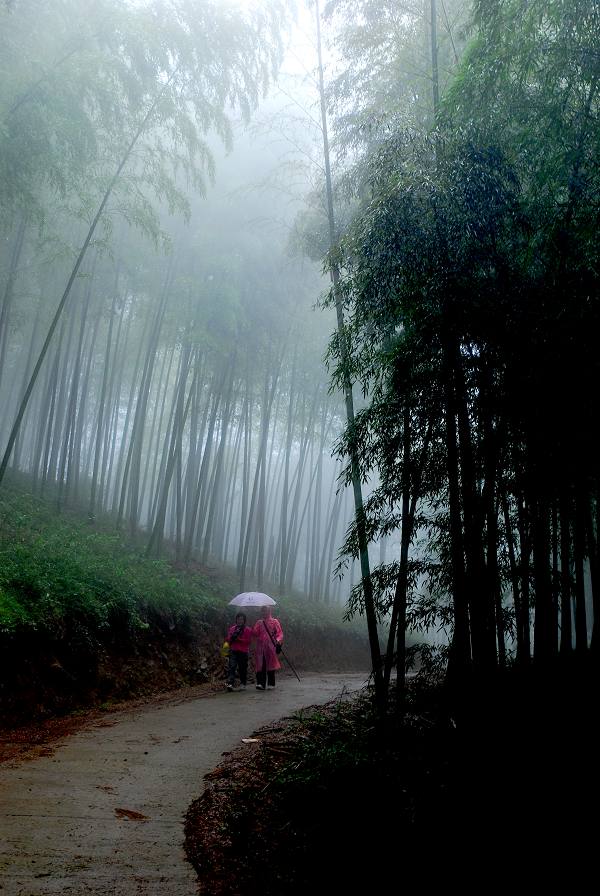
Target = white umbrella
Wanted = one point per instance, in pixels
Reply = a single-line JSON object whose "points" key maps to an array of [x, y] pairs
{"points": [[252, 599]]}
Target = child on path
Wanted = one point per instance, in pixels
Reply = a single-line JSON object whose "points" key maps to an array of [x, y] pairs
{"points": [[238, 637]]}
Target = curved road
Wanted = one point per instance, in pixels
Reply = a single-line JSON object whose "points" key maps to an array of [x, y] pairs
{"points": [[103, 812]]}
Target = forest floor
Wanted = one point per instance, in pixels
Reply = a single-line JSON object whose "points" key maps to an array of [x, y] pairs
{"points": [[497, 789]]}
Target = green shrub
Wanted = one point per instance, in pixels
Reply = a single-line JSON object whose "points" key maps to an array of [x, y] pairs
{"points": [[59, 572], [55, 569]]}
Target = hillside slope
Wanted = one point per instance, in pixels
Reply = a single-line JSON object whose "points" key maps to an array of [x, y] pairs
{"points": [[86, 618]]}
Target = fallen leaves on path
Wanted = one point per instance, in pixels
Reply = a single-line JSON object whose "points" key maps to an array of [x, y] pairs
{"points": [[42, 737], [131, 814]]}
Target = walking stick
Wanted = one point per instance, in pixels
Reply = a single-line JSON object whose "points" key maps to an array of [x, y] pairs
{"points": [[274, 643]]}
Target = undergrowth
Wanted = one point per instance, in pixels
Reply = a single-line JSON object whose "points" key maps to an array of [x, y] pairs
{"points": [[321, 796], [56, 567], [86, 616]]}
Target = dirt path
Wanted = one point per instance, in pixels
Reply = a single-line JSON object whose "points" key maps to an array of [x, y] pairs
{"points": [[102, 811]]}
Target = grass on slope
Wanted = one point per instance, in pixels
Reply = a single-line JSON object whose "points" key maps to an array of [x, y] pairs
{"points": [[56, 567]]}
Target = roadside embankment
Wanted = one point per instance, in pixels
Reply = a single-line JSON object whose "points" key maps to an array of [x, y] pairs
{"points": [[43, 675]]}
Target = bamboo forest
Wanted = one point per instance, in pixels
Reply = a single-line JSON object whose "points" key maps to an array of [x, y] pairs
{"points": [[299, 375]]}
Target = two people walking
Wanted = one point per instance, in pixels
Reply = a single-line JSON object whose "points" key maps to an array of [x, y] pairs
{"points": [[268, 637]]}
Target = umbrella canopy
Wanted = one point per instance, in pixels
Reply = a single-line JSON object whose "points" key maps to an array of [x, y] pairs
{"points": [[252, 599]]}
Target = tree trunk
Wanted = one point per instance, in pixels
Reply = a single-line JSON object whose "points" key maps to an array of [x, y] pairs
{"points": [[566, 632], [514, 575], [9, 293], [581, 637], [367, 585], [102, 398], [269, 394], [182, 407], [216, 487], [542, 643], [25, 400], [201, 486], [525, 554], [460, 652]]}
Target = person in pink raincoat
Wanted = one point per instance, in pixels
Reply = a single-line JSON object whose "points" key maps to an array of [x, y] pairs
{"points": [[268, 635]]}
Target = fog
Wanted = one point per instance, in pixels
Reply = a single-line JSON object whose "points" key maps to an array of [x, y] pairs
{"points": [[256, 301], [184, 392]]}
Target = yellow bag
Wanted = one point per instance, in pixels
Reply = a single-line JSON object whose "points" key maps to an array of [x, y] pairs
{"points": [[225, 648]]}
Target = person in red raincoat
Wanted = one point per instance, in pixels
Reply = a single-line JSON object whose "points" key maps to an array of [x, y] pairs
{"points": [[238, 638], [268, 635]]}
